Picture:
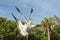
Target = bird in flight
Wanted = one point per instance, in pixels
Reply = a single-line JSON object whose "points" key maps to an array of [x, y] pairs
{"points": [[24, 29]]}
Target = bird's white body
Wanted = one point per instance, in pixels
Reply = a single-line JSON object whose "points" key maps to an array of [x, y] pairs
{"points": [[24, 28]]}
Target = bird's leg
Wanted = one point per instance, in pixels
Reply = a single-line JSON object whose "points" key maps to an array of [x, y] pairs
{"points": [[26, 37]]}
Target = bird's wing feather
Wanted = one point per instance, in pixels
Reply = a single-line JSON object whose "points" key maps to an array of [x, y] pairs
{"points": [[33, 25], [18, 22], [20, 25], [21, 13]]}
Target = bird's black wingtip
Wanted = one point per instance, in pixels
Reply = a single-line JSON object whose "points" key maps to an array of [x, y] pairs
{"points": [[31, 10], [17, 8], [13, 16]]}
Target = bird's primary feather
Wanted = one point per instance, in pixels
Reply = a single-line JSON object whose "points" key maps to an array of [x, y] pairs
{"points": [[18, 22]]}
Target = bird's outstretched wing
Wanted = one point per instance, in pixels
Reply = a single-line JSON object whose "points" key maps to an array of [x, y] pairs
{"points": [[18, 22], [21, 13], [30, 16], [20, 25], [14, 17], [33, 25]]}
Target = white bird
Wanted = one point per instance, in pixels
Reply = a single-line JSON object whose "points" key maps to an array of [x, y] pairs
{"points": [[24, 29]]}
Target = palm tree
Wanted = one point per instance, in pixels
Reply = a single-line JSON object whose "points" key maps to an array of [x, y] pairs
{"points": [[46, 26]]}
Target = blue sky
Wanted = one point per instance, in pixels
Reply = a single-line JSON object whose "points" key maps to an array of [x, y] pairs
{"points": [[42, 8]]}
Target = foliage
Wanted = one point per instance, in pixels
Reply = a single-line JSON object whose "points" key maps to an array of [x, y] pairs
{"points": [[9, 31]]}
